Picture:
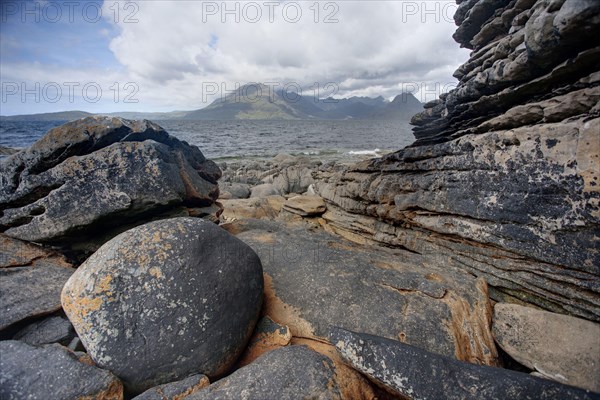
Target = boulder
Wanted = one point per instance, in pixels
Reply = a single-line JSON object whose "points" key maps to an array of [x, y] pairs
{"points": [[175, 390], [165, 300], [293, 179], [54, 329], [410, 372], [314, 280], [289, 373], [96, 176], [31, 280], [305, 206], [52, 372], [264, 190], [234, 191], [559, 347]]}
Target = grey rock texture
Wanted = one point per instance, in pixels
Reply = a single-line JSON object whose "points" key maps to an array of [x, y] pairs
{"points": [[54, 329], [504, 178], [31, 279], [165, 300], [52, 372], [417, 374], [175, 390], [314, 280], [98, 174], [559, 347]]}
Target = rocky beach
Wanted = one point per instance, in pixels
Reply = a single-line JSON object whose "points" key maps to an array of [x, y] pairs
{"points": [[464, 266]]}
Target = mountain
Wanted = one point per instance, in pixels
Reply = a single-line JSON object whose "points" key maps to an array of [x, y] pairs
{"points": [[154, 116], [55, 116], [402, 108]]}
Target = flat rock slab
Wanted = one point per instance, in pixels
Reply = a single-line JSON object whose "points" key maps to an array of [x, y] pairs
{"points": [[314, 280], [51, 372], [166, 300], [54, 329], [31, 279], [175, 390], [417, 374], [289, 373], [265, 207], [560, 347], [305, 206]]}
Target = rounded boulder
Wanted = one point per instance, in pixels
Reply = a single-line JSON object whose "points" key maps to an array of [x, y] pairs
{"points": [[166, 300]]}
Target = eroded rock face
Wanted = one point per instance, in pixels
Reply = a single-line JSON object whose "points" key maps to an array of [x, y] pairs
{"points": [[52, 371], [417, 374], [165, 300], [91, 176], [175, 390], [314, 280], [504, 178]]}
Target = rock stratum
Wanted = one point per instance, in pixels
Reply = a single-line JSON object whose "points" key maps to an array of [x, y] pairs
{"points": [[503, 180]]}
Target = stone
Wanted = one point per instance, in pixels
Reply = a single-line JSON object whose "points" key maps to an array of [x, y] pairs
{"points": [[559, 347], [31, 280], [264, 190], [52, 371], [268, 335], [260, 207], [293, 372], [314, 280], [54, 329], [234, 191], [165, 300], [414, 373], [293, 179], [305, 206], [175, 390], [84, 177]]}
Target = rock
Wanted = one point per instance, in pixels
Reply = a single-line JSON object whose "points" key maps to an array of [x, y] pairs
{"points": [[175, 390], [54, 329], [293, 179], [234, 191], [261, 207], [81, 177], [268, 335], [293, 372], [264, 190], [31, 280], [7, 151], [51, 372], [559, 347], [418, 374], [314, 280], [165, 300], [305, 206]]}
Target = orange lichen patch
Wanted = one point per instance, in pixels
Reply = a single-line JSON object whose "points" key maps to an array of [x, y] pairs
{"points": [[103, 286], [353, 386], [113, 392], [86, 359], [78, 309], [264, 342], [283, 313], [470, 327], [155, 272], [202, 383]]}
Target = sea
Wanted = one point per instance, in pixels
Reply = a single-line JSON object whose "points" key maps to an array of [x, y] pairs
{"points": [[250, 139]]}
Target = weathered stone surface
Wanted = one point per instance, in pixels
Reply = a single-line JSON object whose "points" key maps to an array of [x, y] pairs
{"points": [[305, 205], [166, 299], [54, 329], [234, 190], [559, 347], [264, 190], [265, 207], [268, 335], [417, 374], [289, 373], [175, 390], [82, 177], [31, 279], [293, 179], [314, 280], [52, 372]]}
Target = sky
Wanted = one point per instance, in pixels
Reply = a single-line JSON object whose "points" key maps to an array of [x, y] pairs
{"points": [[154, 55]]}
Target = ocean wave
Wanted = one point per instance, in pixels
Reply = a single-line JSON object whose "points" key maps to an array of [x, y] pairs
{"points": [[376, 152]]}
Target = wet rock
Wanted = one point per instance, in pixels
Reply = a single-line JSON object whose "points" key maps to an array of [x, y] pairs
{"points": [[268, 335], [165, 300], [31, 280], [54, 329], [175, 390], [305, 206], [293, 372], [418, 374], [52, 372], [81, 177], [264, 190], [314, 280], [559, 347]]}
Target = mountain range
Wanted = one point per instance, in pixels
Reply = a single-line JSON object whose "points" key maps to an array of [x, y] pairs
{"points": [[258, 102]]}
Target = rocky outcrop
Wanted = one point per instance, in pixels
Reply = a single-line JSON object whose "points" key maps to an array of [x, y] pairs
{"points": [[175, 390], [165, 300], [87, 180], [504, 178]]}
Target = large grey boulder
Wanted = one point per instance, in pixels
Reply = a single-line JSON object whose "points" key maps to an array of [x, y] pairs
{"points": [[90, 177], [51, 372], [165, 300], [418, 374]]}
